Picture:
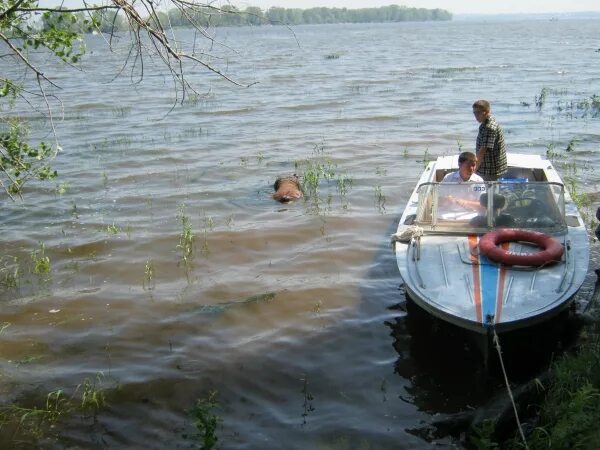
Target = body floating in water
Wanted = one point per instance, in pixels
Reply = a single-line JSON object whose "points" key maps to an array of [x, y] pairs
{"points": [[287, 188]]}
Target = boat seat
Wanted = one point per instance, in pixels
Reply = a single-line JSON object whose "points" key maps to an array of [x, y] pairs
{"points": [[525, 173]]}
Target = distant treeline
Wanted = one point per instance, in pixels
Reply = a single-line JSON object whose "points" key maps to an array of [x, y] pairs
{"points": [[229, 15]]}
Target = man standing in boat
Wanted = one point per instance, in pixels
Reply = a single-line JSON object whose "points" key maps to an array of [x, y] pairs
{"points": [[491, 153]]}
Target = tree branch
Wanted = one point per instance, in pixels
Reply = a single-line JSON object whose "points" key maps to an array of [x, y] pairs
{"points": [[61, 11], [23, 58], [11, 9]]}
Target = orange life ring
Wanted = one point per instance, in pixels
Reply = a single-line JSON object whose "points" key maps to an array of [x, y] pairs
{"points": [[551, 250]]}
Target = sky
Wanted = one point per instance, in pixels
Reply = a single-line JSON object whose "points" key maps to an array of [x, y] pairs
{"points": [[454, 6]]}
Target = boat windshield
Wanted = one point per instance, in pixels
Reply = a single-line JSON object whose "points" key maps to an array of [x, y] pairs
{"points": [[479, 207]]}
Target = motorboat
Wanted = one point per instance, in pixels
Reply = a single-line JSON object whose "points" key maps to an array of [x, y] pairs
{"points": [[501, 255]]}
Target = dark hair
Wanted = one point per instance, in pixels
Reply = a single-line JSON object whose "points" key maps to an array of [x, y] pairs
{"points": [[467, 156], [293, 179], [482, 105]]}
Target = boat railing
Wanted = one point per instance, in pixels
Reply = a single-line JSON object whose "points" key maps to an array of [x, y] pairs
{"points": [[480, 207]]}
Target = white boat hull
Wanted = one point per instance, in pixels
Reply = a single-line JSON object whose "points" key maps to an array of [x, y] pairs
{"points": [[446, 275]]}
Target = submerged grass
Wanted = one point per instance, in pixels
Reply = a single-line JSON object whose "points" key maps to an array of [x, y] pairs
{"points": [[206, 420], [10, 272], [379, 199], [186, 236], [31, 422], [148, 283], [113, 229], [572, 170], [40, 262], [572, 108], [541, 99], [92, 395], [318, 172], [209, 225], [308, 399]]}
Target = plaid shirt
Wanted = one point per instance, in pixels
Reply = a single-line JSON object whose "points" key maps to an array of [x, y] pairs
{"points": [[491, 137]]}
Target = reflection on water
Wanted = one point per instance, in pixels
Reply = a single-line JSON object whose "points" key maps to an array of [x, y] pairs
{"points": [[283, 311], [446, 365]]}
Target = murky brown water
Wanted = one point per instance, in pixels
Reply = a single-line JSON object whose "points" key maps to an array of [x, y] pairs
{"points": [[285, 311]]}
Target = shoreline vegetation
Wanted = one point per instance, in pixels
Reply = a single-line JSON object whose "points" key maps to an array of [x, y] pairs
{"points": [[231, 16]]}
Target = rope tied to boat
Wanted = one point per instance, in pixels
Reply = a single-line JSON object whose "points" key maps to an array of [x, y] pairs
{"points": [[510, 394], [407, 235]]}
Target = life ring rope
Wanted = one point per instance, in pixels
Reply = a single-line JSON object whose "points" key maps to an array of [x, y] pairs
{"points": [[551, 250]]}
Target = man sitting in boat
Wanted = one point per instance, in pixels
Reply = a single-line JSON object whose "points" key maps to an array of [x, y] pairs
{"points": [[467, 162], [463, 196]]}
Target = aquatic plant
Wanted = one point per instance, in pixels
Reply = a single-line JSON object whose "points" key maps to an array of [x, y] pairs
{"points": [[541, 99], [63, 187], [383, 389], [381, 172], [148, 283], [113, 229], [316, 169], [41, 262], [317, 307], [192, 99], [206, 420], [571, 145], [10, 272], [192, 133], [121, 111], [579, 198], [209, 224], [343, 185], [186, 236], [229, 221], [357, 89], [380, 199], [4, 326], [32, 422], [426, 157], [308, 398], [589, 106], [551, 152], [92, 395]]}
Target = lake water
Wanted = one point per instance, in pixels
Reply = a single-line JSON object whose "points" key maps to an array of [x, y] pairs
{"points": [[289, 313]]}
